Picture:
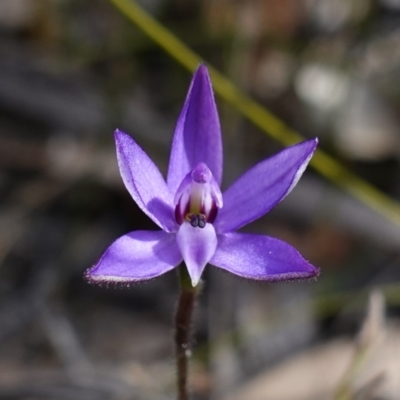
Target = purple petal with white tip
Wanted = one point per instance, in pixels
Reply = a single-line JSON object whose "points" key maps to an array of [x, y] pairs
{"points": [[197, 135], [137, 256], [144, 182], [263, 187], [261, 258], [197, 245]]}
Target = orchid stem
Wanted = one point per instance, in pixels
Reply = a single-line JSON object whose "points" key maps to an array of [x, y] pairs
{"points": [[183, 322]]}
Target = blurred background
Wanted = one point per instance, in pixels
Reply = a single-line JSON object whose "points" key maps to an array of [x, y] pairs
{"points": [[71, 71]]}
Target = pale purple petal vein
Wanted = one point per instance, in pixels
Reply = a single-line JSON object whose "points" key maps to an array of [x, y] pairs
{"points": [[144, 182], [197, 135], [262, 187], [260, 257], [137, 256], [197, 247]]}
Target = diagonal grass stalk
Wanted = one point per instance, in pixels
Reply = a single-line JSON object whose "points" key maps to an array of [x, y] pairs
{"points": [[322, 162]]}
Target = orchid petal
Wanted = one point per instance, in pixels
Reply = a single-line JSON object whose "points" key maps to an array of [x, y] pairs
{"points": [[197, 245], [197, 135], [263, 186], [144, 182], [137, 256], [260, 257]]}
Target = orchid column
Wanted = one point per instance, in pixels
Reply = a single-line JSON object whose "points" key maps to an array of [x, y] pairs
{"points": [[198, 222]]}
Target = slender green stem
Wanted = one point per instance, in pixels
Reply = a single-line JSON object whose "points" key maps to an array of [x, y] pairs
{"points": [[183, 323]]}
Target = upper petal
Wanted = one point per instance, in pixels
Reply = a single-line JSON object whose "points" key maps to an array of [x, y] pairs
{"points": [[197, 135], [137, 256], [197, 245], [144, 182], [263, 186], [260, 257]]}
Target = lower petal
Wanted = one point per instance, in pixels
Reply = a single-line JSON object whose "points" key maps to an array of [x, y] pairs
{"points": [[197, 246], [137, 256], [261, 258]]}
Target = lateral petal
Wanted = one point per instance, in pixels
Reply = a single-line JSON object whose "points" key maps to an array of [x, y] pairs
{"points": [[262, 187], [197, 137], [197, 245], [261, 258], [137, 256], [144, 182]]}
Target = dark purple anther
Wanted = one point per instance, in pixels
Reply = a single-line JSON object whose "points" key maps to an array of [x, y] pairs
{"points": [[201, 221], [194, 220]]}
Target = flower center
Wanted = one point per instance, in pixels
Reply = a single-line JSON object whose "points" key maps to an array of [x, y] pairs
{"points": [[198, 198], [196, 220]]}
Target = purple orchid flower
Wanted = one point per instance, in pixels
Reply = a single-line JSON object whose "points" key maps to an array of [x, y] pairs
{"points": [[198, 223]]}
